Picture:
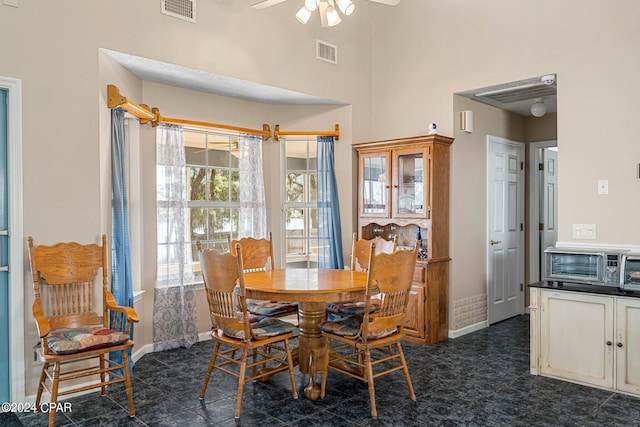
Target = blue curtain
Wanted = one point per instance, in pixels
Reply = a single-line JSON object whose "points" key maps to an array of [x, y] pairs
{"points": [[121, 282], [329, 230]]}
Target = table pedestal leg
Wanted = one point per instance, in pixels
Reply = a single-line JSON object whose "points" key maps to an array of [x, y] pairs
{"points": [[312, 345]]}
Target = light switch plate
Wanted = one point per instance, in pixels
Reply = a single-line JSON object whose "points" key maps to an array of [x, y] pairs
{"points": [[584, 231], [13, 3]]}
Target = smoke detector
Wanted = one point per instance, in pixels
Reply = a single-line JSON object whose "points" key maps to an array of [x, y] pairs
{"points": [[549, 79]]}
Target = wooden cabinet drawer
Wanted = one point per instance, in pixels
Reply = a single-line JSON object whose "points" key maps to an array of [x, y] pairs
{"points": [[419, 274]]}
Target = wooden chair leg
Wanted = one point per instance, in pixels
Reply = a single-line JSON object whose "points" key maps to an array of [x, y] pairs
{"points": [[241, 380], [212, 362], [405, 369], [127, 382], [43, 378], [372, 390], [54, 393], [291, 374], [103, 389]]}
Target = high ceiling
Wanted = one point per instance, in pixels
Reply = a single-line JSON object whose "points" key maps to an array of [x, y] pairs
{"points": [[515, 96], [189, 78]]}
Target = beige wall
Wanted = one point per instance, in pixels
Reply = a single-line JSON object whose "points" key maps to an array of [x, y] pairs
{"points": [[399, 67], [425, 51]]}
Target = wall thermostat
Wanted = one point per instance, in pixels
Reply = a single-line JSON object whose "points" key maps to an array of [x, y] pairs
{"points": [[433, 128]]}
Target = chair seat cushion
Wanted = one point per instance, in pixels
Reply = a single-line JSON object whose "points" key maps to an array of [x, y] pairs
{"points": [[69, 341], [270, 308], [351, 308], [265, 327], [350, 327]]}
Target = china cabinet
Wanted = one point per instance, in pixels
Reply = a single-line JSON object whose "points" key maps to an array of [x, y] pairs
{"points": [[403, 191]]}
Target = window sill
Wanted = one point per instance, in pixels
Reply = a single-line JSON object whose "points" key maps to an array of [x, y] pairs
{"points": [[137, 295]]}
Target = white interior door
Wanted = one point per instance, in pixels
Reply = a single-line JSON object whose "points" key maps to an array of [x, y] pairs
{"points": [[11, 240], [505, 229], [4, 273], [548, 203]]}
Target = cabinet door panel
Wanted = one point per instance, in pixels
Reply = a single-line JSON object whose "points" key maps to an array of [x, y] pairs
{"points": [[414, 325], [628, 336], [575, 330], [375, 184], [410, 182]]}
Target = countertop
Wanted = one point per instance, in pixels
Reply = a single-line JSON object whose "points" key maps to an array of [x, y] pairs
{"points": [[586, 288]]}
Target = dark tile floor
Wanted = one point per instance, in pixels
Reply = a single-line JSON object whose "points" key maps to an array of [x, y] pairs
{"points": [[480, 379]]}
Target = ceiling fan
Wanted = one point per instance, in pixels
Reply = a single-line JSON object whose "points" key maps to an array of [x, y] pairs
{"points": [[327, 9]]}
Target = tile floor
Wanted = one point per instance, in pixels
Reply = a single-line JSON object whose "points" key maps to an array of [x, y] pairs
{"points": [[480, 379]]}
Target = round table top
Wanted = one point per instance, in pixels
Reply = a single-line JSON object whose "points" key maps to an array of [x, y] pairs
{"points": [[313, 285]]}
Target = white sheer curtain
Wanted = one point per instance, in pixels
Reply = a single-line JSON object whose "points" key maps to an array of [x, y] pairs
{"points": [[252, 220], [174, 305]]}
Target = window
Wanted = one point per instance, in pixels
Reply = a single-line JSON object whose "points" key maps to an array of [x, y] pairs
{"points": [[212, 197], [300, 213]]}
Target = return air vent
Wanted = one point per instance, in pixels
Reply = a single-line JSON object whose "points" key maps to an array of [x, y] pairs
{"points": [[326, 52], [181, 9]]}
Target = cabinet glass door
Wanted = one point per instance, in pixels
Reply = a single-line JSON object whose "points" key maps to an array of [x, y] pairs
{"points": [[410, 185], [375, 184]]}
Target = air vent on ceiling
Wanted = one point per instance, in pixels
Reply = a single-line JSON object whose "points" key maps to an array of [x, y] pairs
{"points": [[181, 9], [326, 52]]}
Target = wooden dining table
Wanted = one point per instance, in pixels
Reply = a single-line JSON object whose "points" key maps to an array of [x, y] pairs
{"points": [[312, 289]]}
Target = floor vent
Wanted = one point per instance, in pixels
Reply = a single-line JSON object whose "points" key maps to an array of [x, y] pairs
{"points": [[181, 9], [326, 52]]}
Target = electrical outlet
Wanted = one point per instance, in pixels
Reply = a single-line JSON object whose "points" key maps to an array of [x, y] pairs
{"points": [[584, 231], [603, 186]]}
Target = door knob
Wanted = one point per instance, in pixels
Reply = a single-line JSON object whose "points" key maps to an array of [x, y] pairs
{"points": [[495, 242]]}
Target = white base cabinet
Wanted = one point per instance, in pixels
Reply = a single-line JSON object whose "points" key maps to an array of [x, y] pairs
{"points": [[628, 345], [586, 338]]}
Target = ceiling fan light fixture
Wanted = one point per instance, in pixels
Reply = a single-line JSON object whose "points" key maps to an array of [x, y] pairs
{"points": [[333, 18], [346, 6], [539, 108], [311, 5], [303, 15]]}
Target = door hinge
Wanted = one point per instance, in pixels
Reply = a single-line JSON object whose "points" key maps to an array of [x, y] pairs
{"points": [[521, 287], [521, 166], [521, 227], [541, 226], [540, 166]]}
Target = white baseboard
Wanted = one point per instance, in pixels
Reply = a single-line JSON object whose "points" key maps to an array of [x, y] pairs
{"points": [[468, 329]]}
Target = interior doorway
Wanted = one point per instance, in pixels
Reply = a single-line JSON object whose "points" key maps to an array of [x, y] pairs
{"points": [[543, 204]]}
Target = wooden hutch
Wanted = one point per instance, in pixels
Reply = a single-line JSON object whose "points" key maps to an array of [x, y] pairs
{"points": [[403, 189]]}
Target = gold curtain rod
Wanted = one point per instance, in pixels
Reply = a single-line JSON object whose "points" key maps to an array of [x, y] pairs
{"points": [[277, 134], [146, 115]]}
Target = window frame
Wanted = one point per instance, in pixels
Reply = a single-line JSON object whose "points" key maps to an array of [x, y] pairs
{"points": [[309, 204]]}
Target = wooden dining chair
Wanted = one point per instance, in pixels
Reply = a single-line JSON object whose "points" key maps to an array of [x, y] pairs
{"points": [[368, 347], [360, 254], [361, 248], [257, 255], [70, 330], [236, 336]]}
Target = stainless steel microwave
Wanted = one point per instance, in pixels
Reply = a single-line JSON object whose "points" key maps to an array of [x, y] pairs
{"points": [[583, 265]]}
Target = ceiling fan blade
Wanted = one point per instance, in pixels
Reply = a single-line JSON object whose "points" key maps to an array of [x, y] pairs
{"points": [[265, 3], [322, 9], [387, 2]]}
